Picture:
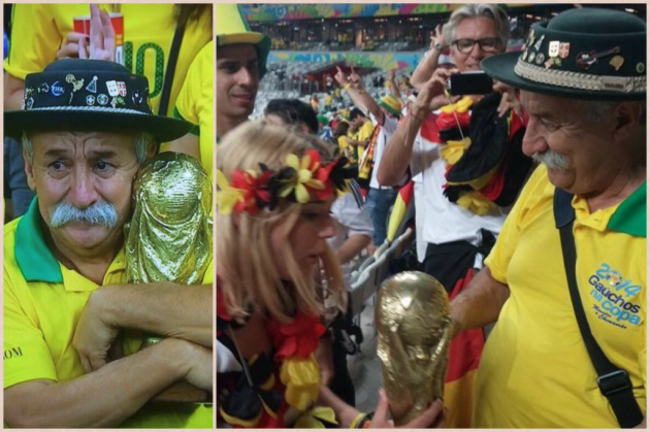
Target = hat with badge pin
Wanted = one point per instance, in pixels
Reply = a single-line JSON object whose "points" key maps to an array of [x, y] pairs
{"points": [[89, 95], [584, 53]]}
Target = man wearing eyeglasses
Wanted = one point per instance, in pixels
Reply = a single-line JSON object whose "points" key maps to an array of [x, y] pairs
{"points": [[456, 224]]}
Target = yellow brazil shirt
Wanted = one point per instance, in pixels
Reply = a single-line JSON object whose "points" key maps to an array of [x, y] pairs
{"points": [[364, 133], [43, 301], [535, 371], [39, 29], [195, 103]]}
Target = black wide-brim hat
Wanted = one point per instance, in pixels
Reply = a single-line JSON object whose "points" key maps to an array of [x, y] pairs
{"points": [[89, 96], [586, 53]]}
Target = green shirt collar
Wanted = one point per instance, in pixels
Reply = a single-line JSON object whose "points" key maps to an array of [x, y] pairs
{"points": [[34, 258], [631, 215]]}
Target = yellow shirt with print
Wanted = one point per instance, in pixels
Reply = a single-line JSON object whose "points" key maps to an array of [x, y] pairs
{"points": [[43, 301], [534, 370], [195, 103], [363, 134], [39, 29]]}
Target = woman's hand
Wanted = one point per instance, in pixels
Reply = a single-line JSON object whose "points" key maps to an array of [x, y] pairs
{"points": [[434, 416]]}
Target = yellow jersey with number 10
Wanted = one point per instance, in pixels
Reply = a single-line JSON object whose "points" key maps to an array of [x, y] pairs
{"points": [[39, 29]]}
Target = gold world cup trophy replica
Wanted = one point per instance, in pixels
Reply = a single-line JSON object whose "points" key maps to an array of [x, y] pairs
{"points": [[414, 325], [169, 237]]}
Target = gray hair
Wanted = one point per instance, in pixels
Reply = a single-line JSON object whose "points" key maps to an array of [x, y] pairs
{"points": [[492, 11], [142, 143]]}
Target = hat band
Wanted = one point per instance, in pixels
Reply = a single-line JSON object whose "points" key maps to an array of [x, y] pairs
{"points": [[575, 80], [95, 109]]}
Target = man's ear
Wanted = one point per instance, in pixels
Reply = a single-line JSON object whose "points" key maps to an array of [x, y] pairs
{"points": [[629, 116], [152, 148], [29, 171]]}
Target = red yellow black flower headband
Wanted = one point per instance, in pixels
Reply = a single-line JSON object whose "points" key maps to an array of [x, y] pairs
{"points": [[300, 180]]}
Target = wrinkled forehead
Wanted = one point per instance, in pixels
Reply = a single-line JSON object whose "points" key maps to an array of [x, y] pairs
{"points": [[117, 142], [237, 52]]}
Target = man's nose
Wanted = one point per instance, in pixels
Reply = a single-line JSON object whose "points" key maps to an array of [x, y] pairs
{"points": [[82, 192]]}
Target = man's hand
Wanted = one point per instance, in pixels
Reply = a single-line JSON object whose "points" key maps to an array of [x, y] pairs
{"points": [[354, 78], [72, 46], [431, 96], [437, 38], [433, 416], [93, 336], [509, 100], [340, 77], [200, 366], [102, 36]]}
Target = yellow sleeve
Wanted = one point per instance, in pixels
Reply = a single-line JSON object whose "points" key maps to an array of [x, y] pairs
{"points": [[26, 355], [185, 107], [366, 131], [35, 39], [208, 277], [502, 252], [187, 103], [343, 143]]}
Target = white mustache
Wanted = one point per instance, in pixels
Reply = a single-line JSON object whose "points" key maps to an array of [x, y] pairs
{"points": [[552, 160], [99, 213]]}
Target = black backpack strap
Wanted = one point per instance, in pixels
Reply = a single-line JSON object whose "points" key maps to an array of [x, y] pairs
{"points": [[614, 383], [171, 69]]}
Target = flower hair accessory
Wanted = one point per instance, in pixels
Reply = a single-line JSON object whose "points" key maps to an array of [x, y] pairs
{"points": [[301, 180]]}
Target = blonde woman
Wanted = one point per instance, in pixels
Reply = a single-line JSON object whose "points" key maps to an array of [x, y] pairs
{"points": [[275, 192]]}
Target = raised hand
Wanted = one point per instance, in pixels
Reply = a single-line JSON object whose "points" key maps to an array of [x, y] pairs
{"points": [[102, 37], [437, 38], [340, 77], [354, 77]]}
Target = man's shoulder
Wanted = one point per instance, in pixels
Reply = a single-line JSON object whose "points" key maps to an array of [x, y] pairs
{"points": [[12, 273], [9, 237]]}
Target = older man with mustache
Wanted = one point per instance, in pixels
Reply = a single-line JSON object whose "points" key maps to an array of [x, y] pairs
{"points": [[566, 280], [87, 128]]}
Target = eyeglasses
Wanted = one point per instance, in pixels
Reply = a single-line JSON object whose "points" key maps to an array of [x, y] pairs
{"points": [[466, 46]]}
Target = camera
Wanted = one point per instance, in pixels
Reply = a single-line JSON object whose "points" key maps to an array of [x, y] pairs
{"points": [[470, 83]]}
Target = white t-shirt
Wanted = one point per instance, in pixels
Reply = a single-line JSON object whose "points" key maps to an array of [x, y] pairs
{"points": [[349, 220], [437, 220], [387, 130]]}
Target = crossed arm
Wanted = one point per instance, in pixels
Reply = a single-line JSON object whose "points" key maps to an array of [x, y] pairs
{"points": [[111, 392]]}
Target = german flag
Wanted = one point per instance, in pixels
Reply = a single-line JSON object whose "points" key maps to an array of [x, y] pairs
{"points": [[464, 355], [465, 350], [402, 203]]}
